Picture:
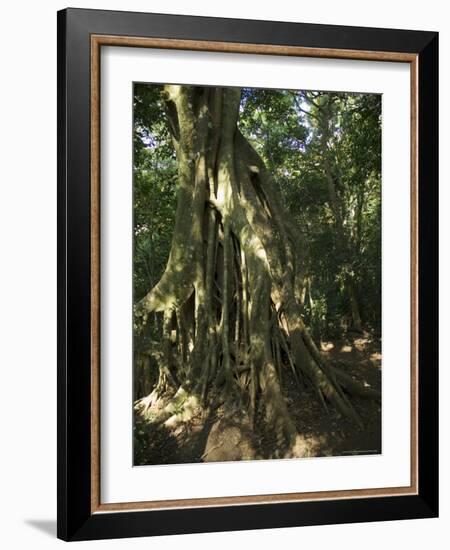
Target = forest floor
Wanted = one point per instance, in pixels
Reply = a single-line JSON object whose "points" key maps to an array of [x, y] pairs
{"points": [[322, 433]]}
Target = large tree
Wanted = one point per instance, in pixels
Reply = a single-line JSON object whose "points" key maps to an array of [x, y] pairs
{"points": [[231, 314]]}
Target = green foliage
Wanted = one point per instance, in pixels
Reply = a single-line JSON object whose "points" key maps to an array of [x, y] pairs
{"points": [[154, 191], [306, 139]]}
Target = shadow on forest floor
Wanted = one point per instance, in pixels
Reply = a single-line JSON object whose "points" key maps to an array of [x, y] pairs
{"points": [[156, 444], [321, 433], [329, 434]]}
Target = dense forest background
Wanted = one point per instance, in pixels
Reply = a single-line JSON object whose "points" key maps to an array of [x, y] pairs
{"points": [[323, 150]]}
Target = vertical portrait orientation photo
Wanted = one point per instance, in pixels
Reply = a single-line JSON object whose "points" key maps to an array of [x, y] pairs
{"points": [[256, 273]]}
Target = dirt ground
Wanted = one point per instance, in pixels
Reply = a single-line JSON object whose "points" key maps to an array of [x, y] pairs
{"points": [[322, 432], [329, 434]]}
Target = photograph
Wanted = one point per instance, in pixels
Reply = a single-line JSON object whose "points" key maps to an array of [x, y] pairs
{"points": [[257, 276]]}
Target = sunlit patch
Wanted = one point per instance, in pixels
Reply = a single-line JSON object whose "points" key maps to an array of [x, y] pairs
{"points": [[306, 446], [326, 346], [361, 343]]}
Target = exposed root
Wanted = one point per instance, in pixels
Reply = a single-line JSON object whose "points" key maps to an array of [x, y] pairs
{"points": [[153, 401], [180, 409], [354, 387]]}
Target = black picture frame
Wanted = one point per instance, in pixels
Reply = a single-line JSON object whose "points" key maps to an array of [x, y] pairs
{"points": [[76, 521]]}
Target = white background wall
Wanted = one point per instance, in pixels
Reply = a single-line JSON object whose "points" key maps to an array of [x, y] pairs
{"points": [[28, 271]]}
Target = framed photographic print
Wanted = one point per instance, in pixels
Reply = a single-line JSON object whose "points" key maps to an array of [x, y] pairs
{"points": [[247, 252]]}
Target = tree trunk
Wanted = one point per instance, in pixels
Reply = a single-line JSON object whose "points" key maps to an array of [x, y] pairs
{"points": [[229, 284], [356, 317]]}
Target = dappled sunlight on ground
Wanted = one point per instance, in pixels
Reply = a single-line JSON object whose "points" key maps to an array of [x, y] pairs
{"points": [[366, 350], [326, 346], [191, 434], [346, 349]]}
